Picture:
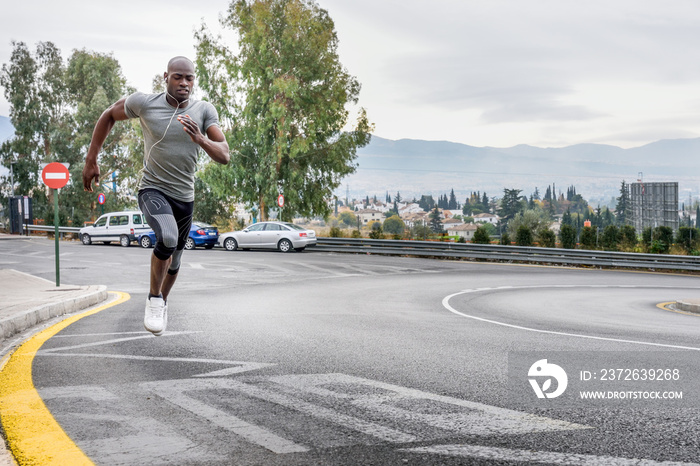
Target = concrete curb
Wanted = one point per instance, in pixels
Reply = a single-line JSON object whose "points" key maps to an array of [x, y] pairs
{"points": [[17, 323], [688, 305]]}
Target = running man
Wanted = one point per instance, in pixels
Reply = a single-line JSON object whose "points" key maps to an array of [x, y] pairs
{"points": [[166, 189]]}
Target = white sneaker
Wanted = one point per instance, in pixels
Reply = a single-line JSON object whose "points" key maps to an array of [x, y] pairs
{"points": [[155, 318]]}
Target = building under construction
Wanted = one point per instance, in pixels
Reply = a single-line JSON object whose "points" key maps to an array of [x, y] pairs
{"points": [[654, 205]]}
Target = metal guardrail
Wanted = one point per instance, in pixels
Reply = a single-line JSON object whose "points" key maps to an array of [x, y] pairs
{"points": [[496, 252], [50, 229]]}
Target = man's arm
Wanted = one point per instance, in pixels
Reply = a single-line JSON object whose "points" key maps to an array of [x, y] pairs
{"points": [[99, 135], [214, 144]]}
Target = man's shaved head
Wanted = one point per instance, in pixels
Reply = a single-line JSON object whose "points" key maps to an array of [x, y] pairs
{"points": [[180, 60]]}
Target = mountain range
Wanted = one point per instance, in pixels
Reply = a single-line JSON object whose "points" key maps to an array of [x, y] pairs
{"points": [[415, 167]]}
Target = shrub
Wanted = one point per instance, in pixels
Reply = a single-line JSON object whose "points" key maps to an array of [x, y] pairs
{"points": [[628, 236], [394, 225], [588, 237], [611, 238], [481, 236], [335, 233], [376, 232], [687, 238], [662, 238], [356, 234], [523, 236], [547, 238], [567, 235], [646, 238], [505, 239]]}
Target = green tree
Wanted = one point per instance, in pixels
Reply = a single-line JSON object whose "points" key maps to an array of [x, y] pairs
{"points": [[95, 81], [208, 209], [510, 204], [421, 231], [624, 207], [427, 203], [588, 237], [611, 238], [647, 234], [34, 86], [628, 236], [662, 239], [435, 221], [283, 101], [546, 237], [505, 239], [481, 235], [535, 219], [394, 225], [54, 108], [688, 238], [567, 236], [523, 236], [376, 231], [347, 219]]}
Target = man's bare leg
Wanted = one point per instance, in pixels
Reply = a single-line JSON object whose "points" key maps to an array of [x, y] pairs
{"points": [[168, 284], [159, 271]]}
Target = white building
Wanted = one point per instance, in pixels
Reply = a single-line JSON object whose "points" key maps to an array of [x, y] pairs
{"points": [[369, 215], [487, 218], [466, 231]]}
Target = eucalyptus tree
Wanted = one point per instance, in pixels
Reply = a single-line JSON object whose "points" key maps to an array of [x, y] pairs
{"points": [[284, 99]]}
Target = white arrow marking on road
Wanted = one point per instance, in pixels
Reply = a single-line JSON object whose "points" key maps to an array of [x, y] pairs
{"points": [[391, 400]]}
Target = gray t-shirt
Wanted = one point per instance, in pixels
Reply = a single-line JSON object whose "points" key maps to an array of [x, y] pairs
{"points": [[169, 166]]}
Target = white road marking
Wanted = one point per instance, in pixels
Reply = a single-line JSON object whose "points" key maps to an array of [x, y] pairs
{"points": [[239, 366], [394, 401], [250, 432], [323, 269], [97, 334], [548, 457], [158, 442], [293, 403], [446, 305], [144, 335], [368, 428]]}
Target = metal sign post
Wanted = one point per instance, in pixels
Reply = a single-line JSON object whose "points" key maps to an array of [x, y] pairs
{"points": [[55, 175]]}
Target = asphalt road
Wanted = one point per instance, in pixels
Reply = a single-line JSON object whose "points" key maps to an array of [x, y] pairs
{"points": [[316, 358]]}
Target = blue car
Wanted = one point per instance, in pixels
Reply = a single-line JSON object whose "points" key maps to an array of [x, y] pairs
{"points": [[201, 234]]}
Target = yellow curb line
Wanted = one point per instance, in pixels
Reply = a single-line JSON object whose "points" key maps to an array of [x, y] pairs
{"points": [[33, 435], [666, 307]]}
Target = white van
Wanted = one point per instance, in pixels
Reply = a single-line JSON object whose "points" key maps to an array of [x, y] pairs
{"points": [[115, 226]]}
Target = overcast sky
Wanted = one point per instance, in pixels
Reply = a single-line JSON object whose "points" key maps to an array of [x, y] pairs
{"points": [[496, 73]]}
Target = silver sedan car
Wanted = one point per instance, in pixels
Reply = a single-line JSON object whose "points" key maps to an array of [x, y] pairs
{"points": [[269, 235]]}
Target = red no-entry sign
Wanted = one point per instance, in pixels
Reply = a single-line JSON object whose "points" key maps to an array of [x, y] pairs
{"points": [[55, 175]]}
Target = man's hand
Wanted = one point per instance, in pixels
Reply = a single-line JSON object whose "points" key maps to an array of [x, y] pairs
{"points": [[91, 172], [214, 144], [191, 128]]}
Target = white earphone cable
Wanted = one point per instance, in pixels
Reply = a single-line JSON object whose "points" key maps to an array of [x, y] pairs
{"points": [[148, 154]]}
